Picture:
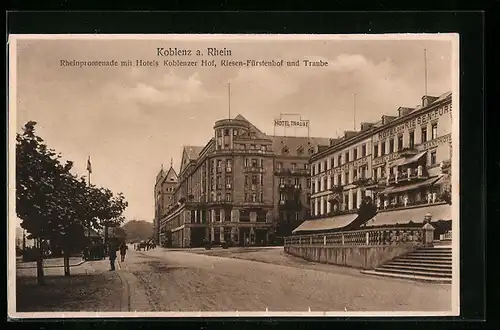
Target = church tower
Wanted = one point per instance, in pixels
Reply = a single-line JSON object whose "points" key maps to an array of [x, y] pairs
{"points": [[166, 182]]}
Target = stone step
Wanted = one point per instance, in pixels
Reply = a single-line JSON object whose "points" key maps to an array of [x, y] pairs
{"points": [[431, 255], [409, 277], [443, 270], [414, 272], [420, 264], [424, 258]]}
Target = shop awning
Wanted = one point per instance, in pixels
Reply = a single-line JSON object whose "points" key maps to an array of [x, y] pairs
{"points": [[413, 159], [408, 187], [397, 162], [336, 222], [398, 217]]}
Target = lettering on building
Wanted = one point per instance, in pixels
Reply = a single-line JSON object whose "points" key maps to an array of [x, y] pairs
{"points": [[412, 123], [348, 166], [291, 123], [422, 147]]}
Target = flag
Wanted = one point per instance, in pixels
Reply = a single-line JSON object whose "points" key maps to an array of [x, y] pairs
{"points": [[89, 166]]}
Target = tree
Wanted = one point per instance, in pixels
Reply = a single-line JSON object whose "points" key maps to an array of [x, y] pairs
{"points": [[366, 211], [54, 205]]}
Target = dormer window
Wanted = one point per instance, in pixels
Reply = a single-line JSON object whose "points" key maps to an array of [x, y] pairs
{"points": [[285, 150], [300, 151], [311, 151]]}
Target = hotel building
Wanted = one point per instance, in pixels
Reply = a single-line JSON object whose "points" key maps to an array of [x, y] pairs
{"points": [[401, 162], [243, 186]]}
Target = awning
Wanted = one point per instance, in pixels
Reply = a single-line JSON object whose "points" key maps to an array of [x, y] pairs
{"points": [[336, 222], [398, 217], [413, 159], [408, 187], [397, 162]]}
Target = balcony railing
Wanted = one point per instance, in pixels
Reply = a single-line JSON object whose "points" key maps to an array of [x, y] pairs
{"points": [[366, 237], [292, 172], [337, 188], [253, 169], [290, 187]]}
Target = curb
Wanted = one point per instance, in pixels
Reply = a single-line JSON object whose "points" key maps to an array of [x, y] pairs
{"points": [[52, 266], [125, 299]]}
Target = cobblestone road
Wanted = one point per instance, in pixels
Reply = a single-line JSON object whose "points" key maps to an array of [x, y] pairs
{"points": [[168, 280]]}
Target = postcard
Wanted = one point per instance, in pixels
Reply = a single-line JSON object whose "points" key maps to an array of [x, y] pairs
{"points": [[233, 175]]}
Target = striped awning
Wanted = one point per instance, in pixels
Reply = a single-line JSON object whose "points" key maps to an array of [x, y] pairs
{"points": [[330, 223], [409, 187], [417, 215], [413, 159]]}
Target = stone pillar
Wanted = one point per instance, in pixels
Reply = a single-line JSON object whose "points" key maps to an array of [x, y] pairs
{"points": [[212, 217], [328, 205], [222, 215], [428, 238], [253, 217], [329, 182], [212, 233], [316, 206], [321, 205], [235, 215], [358, 197], [221, 234], [195, 216]]}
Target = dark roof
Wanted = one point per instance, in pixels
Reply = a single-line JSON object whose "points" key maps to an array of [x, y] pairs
{"points": [[294, 143], [171, 175], [258, 133], [193, 152]]}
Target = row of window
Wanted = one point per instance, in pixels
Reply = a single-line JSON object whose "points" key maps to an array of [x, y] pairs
{"points": [[346, 204], [390, 147], [340, 179], [335, 162]]}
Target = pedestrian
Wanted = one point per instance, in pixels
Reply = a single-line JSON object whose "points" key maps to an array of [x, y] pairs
{"points": [[112, 255], [123, 251]]}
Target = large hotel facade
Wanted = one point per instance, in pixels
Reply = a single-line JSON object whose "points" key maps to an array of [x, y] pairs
{"points": [[401, 162], [243, 186], [248, 187]]}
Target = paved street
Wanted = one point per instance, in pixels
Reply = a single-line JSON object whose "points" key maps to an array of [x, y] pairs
{"points": [[173, 280], [238, 279]]}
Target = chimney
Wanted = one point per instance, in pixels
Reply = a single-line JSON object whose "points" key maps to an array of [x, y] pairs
{"points": [[334, 141], [427, 100]]}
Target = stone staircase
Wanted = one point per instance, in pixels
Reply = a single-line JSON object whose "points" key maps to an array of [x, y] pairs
{"points": [[429, 264]]}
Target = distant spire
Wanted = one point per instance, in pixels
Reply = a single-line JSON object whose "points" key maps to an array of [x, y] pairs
{"points": [[171, 162], [162, 167]]}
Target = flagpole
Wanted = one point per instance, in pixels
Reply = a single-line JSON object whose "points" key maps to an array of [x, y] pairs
{"points": [[354, 110], [89, 171], [425, 71], [229, 98]]}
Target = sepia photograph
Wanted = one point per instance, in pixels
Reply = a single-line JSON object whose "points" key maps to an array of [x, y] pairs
{"points": [[233, 175]]}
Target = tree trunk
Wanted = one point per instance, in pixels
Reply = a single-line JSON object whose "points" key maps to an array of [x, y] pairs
{"points": [[106, 234], [39, 263], [66, 262]]}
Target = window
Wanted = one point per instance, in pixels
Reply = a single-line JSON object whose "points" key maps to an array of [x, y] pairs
{"points": [[346, 201], [294, 166], [347, 157], [424, 134], [282, 180], [391, 146], [279, 165], [412, 139], [363, 150], [218, 180], [254, 179], [219, 197], [226, 132], [300, 151], [285, 150], [308, 182], [332, 162], [229, 162], [254, 163], [339, 160], [355, 154], [246, 180], [339, 179], [354, 200], [433, 157], [228, 197], [383, 151], [306, 166], [346, 177], [400, 142], [323, 183], [375, 150], [228, 180], [254, 198], [325, 165], [219, 163], [282, 196], [235, 132], [261, 179], [313, 187], [246, 197], [434, 131], [297, 182], [261, 198], [313, 172]]}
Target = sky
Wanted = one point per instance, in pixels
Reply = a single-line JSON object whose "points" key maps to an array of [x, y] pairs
{"points": [[131, 120]]}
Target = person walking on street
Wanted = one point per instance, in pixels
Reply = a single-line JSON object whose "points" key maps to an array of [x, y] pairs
{"points": [[112, 255], [123, 251]]}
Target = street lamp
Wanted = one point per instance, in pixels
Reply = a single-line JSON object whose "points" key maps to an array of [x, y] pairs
{"points": [[427, 218]]}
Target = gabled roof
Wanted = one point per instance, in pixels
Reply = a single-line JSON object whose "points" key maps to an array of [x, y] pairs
{"points": [[171, 176]]}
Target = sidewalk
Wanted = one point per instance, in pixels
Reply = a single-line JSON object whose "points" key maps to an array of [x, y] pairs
{"points": [[90, 288], [48, 263]]}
